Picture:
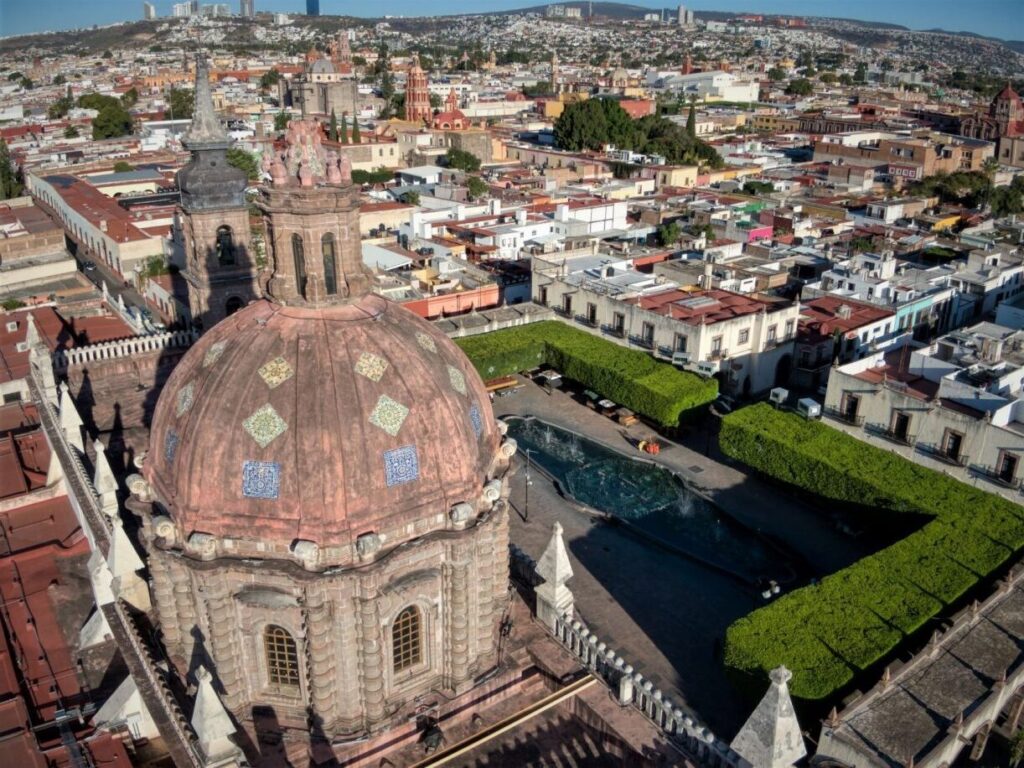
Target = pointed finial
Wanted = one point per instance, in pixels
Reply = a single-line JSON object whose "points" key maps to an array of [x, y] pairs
{"points": [[205, 128], [833, 721], [886, 676], [32, 338]]}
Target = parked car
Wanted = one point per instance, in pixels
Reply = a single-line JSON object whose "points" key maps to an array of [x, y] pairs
{"points": [[88, 266]]}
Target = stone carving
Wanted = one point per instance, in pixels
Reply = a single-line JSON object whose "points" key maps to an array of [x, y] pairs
{"points": [[509, 447], [202, 544], [461, 513], [170, 445], [213, 353], [306, 551], [426, 342], [492, 490], [368, 544], [163, 528]]}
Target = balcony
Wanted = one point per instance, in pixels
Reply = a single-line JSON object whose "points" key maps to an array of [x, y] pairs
{"points": [[613, 330], [562, 311], [843, 416], [641, 341], [991, 475], [881, 430], [587, 321], [940, 454]]}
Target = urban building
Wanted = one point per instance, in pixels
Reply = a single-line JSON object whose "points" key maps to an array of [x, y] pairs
{"points": [[907, 156], [148, 11], [954, 405], [312, 7], [326, 84], [247, 8], [745, 341]]}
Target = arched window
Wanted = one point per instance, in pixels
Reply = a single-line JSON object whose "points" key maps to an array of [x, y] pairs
{"points": [[225, 246], [330, 268], [407, 639], [233, 305], [282, 656], [299, 254]]}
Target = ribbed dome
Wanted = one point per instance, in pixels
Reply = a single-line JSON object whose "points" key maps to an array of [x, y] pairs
{"points": [[287, 423]]}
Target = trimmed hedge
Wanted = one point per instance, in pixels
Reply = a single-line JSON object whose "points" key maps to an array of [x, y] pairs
{"points": [[629, 377], [828, 632]]}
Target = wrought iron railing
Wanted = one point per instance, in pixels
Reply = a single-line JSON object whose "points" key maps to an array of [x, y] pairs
{"points": [[844, 416], [881, 430]]}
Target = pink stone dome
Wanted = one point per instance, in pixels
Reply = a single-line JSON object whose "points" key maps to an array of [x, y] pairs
{"points": [[289, 423]]}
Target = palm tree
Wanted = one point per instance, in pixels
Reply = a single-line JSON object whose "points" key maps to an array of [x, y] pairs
{"points": [[989, 168]]}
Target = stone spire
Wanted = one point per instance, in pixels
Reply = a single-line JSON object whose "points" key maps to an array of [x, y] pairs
{"points": [[213, 725], [70, 421], [554, 599], [206, 129], [104, 481], [40, 360], [771, 737]]}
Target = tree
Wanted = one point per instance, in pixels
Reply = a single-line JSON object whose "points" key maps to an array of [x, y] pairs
{"points": [[846, 79], [861, 244], [245, 161], [435, 101], [758, 187], [60, 108], [477, 187], [27, 84], [776, 75], [59, 80], [130, 97], [71, 132], [379, 176], [112, 119], [332, 131], [828, 77], [462, 160], [9, 184], [861, 75], [270, 79], [182, 103], [356, 138], [108, 54], [800, 87], [281, 120], [410, 198], [691, 122], [668, 234], [122, 166], [343, 130]]}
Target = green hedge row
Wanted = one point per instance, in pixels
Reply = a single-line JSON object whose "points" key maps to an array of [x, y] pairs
{"points": [[629, 377], [827, 632]]}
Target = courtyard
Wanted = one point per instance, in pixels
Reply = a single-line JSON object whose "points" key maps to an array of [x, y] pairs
{"points": [[665, 612]]}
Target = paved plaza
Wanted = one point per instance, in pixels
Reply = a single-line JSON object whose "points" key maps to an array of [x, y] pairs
{"points": [[663, 613]]}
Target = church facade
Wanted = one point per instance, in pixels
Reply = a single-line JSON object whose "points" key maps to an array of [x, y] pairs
{"points": [[1002, 124]]}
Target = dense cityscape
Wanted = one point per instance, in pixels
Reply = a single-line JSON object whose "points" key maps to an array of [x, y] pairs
{"points": [[578, 385]]}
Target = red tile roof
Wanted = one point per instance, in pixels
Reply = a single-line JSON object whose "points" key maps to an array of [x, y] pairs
{"points": [[705, 307]]}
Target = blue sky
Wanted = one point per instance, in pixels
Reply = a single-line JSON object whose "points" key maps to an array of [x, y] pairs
{"points": [[997, 18]]}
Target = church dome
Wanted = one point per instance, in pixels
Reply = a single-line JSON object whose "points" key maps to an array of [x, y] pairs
{"points": [[320, 424]]}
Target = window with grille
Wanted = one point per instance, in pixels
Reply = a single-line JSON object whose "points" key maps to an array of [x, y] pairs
{"points": [[406, 642], [282, 657]]}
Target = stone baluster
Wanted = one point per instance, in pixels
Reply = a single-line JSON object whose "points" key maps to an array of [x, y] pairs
{"points": [[626, 690], [486, 624], [184, 605]]}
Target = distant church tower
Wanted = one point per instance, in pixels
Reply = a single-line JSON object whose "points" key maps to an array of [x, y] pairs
{"points": [[417, 95], [220, 268]]}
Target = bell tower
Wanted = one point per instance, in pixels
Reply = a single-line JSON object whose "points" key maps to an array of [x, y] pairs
{"points": [[220, 267]]}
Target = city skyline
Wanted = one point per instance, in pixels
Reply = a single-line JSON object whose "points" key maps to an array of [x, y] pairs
{"points": [[993, 18]]}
